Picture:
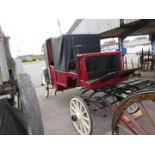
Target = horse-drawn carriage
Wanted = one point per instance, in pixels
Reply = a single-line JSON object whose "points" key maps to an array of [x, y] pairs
{"points": [[77, 60]]}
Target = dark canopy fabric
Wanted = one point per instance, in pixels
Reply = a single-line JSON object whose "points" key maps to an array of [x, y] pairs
{"points": [[65, 46]]}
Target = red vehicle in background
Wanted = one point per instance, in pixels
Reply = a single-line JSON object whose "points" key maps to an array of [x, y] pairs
{"points": [[76, 60]]}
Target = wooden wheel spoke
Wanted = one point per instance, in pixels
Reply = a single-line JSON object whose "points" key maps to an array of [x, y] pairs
{"points": [[78, 105], [73, 109], [132, 123], [85, 118], [80, 126], [147, 116], [84, 128], [136, 124], [74, 105], [85, 124], [125, 129]]}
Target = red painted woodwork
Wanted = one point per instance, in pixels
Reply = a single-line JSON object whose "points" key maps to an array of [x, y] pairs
{"points": [[100, 84], [61, 80]]}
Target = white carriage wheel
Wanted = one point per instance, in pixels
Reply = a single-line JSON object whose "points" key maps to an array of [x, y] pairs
{"points": [[46, 86], [46, 90], [80, 116]]}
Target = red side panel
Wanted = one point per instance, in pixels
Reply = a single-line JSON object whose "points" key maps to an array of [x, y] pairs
{"points": [[72, 75], [83, 76], [58, 79], [61, 78], [82, 71]]}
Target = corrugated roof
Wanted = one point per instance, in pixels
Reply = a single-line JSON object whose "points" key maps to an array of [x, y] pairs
{"points": [[138, 27]]}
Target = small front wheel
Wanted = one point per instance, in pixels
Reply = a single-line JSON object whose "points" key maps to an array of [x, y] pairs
{"points": [[45, 84], [80, 116], [46, 90]]}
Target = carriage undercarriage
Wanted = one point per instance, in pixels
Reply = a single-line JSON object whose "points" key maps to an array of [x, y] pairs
{"points": [[115, 98]]}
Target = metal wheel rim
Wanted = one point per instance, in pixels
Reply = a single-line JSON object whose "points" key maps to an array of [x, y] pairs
{"points": [[131, 109], [83, 124]]}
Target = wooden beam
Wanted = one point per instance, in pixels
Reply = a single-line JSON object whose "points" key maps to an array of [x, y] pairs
{"points": [[3, 62], [1, 81]]}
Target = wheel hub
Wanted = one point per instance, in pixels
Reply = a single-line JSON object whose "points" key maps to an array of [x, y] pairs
{"points": [[74, 118], [78, 115]]}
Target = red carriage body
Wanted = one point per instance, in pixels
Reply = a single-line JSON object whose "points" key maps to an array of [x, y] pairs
{"points": [[88, 68]]}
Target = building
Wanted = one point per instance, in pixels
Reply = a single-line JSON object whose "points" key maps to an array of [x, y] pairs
{"points": [[91, 26], [30, 57]]}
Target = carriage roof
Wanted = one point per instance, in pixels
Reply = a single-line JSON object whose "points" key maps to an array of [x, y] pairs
{"points": [[63, 48]]}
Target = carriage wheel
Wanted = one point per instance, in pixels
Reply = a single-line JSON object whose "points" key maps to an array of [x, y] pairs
{"points": [[46, 90], [144, 123], [45, 84], [80, 116]]}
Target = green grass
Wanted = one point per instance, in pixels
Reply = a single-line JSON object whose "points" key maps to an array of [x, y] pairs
{"points": [[33, 62]]}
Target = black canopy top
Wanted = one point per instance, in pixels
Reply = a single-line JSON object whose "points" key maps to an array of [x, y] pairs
{"points": [[65, 48]]}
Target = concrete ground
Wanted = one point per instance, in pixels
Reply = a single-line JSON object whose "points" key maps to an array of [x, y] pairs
{"points": [[55, 109]]}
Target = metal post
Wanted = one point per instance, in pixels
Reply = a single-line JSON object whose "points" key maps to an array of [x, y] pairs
{"points": [[152, 39], [153, 43], [120, 41], [120, 45], [3, 60]]}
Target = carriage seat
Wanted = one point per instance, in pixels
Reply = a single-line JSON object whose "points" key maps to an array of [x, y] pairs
{"points": [[100, 66]]}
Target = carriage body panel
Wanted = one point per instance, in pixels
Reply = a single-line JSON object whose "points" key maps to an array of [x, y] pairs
{"points": [[76, 60]]}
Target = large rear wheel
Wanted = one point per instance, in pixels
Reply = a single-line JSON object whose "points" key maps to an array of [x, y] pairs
{"points": [[140, 123]]}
